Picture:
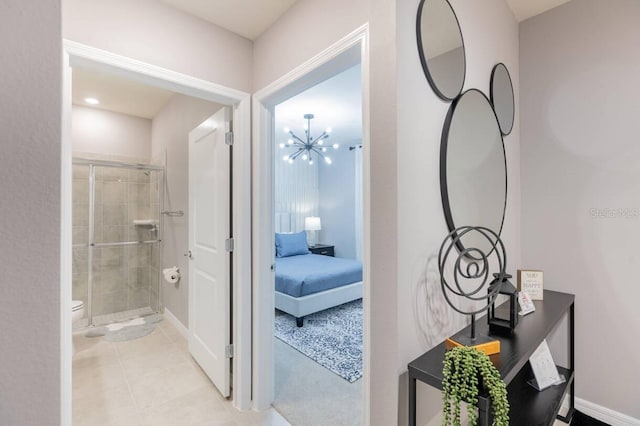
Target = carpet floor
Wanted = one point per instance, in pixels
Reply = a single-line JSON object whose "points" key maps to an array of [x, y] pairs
{"points": [[307, 394], [332, 338]]}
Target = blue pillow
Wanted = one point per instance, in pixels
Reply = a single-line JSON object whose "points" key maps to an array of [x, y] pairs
{"points": [[291, 244]]}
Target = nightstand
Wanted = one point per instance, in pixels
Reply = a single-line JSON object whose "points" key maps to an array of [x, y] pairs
{"points": [[322, 249]]}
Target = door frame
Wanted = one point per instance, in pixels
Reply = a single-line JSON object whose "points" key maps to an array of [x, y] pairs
{"points": [[77, 54], [348, 51]]}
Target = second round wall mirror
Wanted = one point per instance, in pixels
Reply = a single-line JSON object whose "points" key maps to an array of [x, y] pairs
{"points": [[502, 97]]}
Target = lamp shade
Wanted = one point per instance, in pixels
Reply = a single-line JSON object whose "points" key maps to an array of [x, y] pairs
{"points": [[312, 223]]}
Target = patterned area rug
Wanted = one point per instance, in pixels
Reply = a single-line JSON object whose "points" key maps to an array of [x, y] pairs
{"points": [[123, 331], [332, 338]]}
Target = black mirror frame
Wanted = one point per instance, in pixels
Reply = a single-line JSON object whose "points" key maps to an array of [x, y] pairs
{"points": [[513, 99], [444, 192], [423, 59]]}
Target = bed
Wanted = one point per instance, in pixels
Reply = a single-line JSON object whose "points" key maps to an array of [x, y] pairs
{"points": [[308, 283]]}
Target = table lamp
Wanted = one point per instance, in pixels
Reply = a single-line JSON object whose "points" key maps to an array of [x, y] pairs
{"points": [[311, 225]]}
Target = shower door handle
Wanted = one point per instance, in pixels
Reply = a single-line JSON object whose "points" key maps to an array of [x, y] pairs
{"points": [[189, 254]]}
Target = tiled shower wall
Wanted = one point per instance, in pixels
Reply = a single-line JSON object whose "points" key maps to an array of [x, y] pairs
{"points": [[124, 277]]}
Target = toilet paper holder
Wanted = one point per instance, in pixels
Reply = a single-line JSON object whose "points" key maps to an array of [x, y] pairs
{"points": [[171, 275]]}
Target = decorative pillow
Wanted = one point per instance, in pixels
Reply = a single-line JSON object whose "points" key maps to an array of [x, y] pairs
{"points": [[291, 244]]}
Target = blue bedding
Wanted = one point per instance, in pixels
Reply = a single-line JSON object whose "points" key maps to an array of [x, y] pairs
{"points": [[311, 273]]}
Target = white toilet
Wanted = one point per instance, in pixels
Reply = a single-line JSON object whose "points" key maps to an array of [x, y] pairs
{"points": [[77, 312]]}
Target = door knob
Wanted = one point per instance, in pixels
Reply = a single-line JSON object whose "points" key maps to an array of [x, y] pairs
{"points": [[189, 254]]}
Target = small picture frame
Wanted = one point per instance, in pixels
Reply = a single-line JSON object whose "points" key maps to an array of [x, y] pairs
{"points": [[544, 368], [525, 302], [531, 281]]}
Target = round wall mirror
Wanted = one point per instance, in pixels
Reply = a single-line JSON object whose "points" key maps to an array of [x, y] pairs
{"points": [[441, 48], [502, 97], [473, 168]]}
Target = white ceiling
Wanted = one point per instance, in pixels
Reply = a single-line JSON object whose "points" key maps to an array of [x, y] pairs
{"points": [[249, 18], [335, 103], [118, 94], [525, 9]]}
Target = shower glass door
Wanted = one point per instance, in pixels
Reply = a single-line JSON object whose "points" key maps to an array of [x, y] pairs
{"points": [[123, 241], [80, 222]]}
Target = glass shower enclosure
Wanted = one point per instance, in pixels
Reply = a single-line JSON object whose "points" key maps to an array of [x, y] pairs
{"points": [[117, 236]]}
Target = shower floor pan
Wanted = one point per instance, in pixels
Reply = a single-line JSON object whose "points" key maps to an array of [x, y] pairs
{"points": [[117, 317]]}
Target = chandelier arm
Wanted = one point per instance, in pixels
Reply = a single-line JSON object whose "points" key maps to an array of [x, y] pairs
{"points": [[297, 153], [323, 135], [317, 151], [293, 135]]}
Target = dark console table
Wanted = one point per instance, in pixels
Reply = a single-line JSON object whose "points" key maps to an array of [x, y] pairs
{"points": [[527, 405]]}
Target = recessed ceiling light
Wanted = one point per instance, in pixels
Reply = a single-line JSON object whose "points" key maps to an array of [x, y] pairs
{"points": [[92, 101]]}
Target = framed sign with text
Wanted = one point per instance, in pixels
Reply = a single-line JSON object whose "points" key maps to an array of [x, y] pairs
{"points": [[531, 281]]}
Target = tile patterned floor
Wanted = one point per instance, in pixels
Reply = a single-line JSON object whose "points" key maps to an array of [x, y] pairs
{"points": [[150, 381]]}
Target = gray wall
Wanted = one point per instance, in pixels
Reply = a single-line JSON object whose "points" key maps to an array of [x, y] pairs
{"points": [[30, 119], [343, 17], [491, 35], [110, 133], [170, 138], [153, 32], [580, 100], [336, 184]]}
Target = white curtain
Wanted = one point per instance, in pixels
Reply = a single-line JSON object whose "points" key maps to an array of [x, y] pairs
{"points": [[358, 202], [296, 192]]}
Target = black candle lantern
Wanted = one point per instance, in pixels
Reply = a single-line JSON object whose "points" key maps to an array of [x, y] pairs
{"points": [[504, 318]]}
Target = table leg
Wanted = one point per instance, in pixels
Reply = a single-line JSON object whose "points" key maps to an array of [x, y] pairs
{"points": [[567, 419], [572, 366], [485, 416], [412, 400]]}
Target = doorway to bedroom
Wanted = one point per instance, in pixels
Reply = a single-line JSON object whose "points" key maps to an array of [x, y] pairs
{"points": [[318, 215]]}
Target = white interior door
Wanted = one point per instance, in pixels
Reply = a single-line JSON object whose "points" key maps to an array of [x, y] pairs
{"points": [[210, 262]]}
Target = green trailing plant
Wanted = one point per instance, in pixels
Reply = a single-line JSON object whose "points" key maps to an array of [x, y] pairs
{"points": [[463, 366]]}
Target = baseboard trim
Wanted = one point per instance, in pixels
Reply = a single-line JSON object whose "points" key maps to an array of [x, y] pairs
{"points": [[184, 331], [604, 414]]}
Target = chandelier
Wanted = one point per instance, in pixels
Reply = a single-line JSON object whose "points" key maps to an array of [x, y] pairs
{"points": [[307, 145]]}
